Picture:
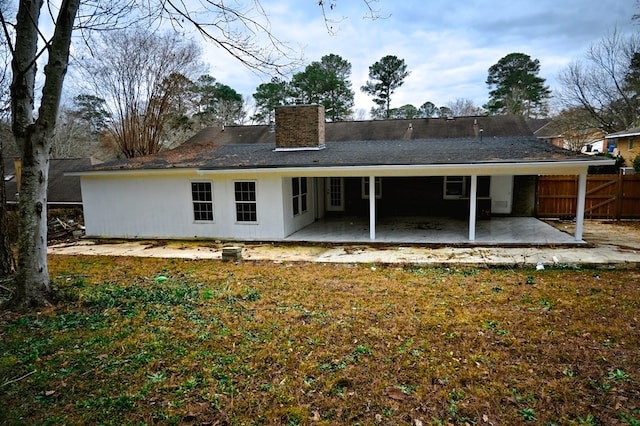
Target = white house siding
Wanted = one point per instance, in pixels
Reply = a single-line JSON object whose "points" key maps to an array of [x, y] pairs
{"points": [[501, 193], [295, 223], [131, 206]]}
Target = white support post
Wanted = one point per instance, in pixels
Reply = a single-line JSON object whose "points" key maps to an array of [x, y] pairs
{"points": [[582, 195], [372, 208], [473, 197]]}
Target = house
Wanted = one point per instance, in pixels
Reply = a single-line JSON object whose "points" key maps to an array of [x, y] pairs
{"points": [[574, 137], [625, 143], [546, 130], [63, 191], [269, 183]]}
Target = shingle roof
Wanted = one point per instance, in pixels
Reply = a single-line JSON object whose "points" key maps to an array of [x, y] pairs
{"points": [[62, 189], [365, 143], [634, 131], [543, 127], [423, 128], [392, 152]]}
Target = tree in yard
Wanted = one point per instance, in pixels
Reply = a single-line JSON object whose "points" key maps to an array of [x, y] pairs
{"points": [[516, 87], [92, 111], [428, 109], [444, 111], [463, 108], [180, 122], [33, 133], [636, 163], [577, 127], [405, 112], [79, 128], [139, 74], [233, 30], [327, 83], [268, 96], [216, 103], [385, 76], [607, 83]]}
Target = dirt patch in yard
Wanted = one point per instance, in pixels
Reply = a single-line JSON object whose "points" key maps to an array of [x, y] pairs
{"points": [[623, 234]]}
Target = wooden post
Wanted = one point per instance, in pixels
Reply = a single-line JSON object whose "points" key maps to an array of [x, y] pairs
{"points": [[619, 195]]}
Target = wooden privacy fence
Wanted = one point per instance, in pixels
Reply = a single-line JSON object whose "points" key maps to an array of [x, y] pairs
{"points": [[608, 196]]}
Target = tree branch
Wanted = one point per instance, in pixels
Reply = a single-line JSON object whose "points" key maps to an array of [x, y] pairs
{"points": [[19, 378]]}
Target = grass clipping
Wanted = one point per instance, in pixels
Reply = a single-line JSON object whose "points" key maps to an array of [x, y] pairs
{"points": [[156, 341]]}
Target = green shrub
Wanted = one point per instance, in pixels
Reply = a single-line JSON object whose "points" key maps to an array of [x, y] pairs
{"points": [[636, 163], [599, 170]]}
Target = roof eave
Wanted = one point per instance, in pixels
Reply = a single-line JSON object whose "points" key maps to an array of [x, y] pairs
{"points": [[514, 167], [135, 172], [622, 135], [489, 168]]}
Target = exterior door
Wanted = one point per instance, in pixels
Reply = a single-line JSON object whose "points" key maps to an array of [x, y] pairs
{"points": [[335, 194]]}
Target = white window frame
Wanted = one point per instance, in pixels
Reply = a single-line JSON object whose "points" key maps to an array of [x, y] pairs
{"points": [[454, 180], [365, 188], [300, 201], [253, 202], [195, 201]]}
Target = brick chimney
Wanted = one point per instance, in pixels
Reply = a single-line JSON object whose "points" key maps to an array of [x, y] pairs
{"points": [[300, 127]]}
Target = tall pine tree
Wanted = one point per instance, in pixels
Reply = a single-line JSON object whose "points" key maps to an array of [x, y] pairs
{"points": [[516, 87]]}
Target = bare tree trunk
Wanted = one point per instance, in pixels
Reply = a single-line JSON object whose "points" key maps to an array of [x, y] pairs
{"points": [[33, 288], [34, 140]]}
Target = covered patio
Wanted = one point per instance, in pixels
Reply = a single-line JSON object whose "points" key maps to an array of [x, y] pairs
{"points": [[435, 230]]}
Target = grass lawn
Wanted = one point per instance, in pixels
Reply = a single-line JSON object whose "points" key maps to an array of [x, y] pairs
{"points": [[157, 341]]}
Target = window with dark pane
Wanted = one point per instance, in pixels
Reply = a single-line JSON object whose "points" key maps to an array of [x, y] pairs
{"points": [[246, 208], [202, 198], [299, 195], [365, 187]]}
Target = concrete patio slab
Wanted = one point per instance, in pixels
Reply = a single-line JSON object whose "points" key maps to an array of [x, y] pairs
{"points": [[435, 230], [608, 245]]}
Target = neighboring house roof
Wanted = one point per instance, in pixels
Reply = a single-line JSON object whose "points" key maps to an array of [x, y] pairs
{"points": [[543, 128], [62, 189], [421, 128], [635, 131], [421, 142]]}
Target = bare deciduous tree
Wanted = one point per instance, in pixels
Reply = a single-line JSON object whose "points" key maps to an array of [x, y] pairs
{"points": [[600, 85], [464, 107], [244, 32], [73, 137], [140, 74], [577, 127]]}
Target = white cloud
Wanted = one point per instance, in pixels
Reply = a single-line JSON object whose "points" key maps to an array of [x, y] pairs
{"points": [[447, 46]]}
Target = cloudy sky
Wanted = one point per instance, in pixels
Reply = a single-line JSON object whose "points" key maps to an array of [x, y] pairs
{"points": [[448, 46]]}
